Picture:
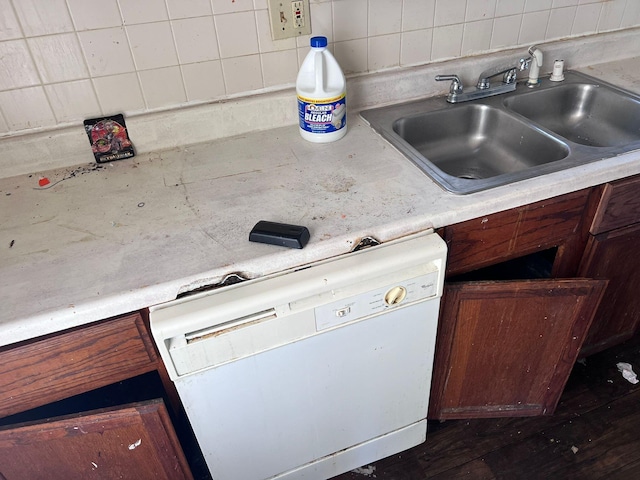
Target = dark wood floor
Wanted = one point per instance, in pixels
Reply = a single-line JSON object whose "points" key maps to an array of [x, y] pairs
{"points": [[594, 434]]}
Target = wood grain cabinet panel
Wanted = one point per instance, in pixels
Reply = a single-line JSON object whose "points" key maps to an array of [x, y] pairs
{"points": [[614, 256], [504, 235], [58, 366], [130, 442], [619, 206], [507, 348]]}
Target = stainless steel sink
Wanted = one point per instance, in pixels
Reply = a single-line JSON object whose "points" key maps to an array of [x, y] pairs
{"points": [[500, 140], [476, 141], [584, 113]]}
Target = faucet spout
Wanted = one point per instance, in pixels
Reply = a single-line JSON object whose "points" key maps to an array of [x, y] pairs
{"points": [[509, 70]]}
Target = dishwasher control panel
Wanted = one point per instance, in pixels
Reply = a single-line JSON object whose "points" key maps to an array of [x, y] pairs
{"points": [[376, 301]]}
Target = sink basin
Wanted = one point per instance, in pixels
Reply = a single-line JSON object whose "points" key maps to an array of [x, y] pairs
{"points": [[495, 141], [583, 113], [476, 141]]}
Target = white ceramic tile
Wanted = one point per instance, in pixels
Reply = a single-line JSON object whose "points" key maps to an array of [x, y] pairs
{"points": [[564, 3], [43, 17], [506, 31], [73, 101], [4, 128], [58, 57], [611, 15], [231, 6], [349, 20], [384, 52], [152, 45], [586, 20], [265, 43], [447, 42], [106, 51], [162, 87], [322, 19], [631, 17], [203, 81], [534, 27], [9, 26], [560, 22], [352, 55], [385, 16], [262, 5], [237, 34], [26, 108], [143, 11], [477, 36], [188, 8], [480, 10], [279, 68], [505, 8], [85, 17], [415, 47], [537, 5], [195, 39], [417, 14], [449, 12], [119, 93], [242, 74], [16, 66]]}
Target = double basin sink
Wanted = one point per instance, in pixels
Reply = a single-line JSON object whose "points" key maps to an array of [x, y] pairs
{"points": [[481, 144]]}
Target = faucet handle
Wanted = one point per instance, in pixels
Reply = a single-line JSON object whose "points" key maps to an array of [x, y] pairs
{"points": [[456, 84]]}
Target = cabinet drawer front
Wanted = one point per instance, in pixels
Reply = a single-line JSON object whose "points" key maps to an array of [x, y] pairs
{"points": [[619, 206], [500, 236], [56, 367]]}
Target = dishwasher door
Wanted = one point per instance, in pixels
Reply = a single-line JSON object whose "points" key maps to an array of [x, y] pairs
{"points": [[310, 373]]}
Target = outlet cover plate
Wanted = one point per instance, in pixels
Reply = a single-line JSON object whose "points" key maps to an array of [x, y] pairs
{"points": [[289, 18]]}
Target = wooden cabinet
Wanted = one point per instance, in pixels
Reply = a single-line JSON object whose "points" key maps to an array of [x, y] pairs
{"points": [[132, 441], [125, 441], [510, 330], [507, 348], [611, 253]]}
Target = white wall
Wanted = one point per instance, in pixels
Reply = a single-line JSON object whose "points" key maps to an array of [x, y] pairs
{"points": [[65, 60]]}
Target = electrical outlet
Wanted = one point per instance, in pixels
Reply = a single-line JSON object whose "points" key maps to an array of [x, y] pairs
{"points": [[289, 18]]}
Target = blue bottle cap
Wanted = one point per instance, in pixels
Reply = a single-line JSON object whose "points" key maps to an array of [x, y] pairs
{"points": [[318, 42]]}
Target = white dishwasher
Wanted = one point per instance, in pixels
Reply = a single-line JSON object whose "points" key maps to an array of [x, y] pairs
{"points": [[311, 372]]}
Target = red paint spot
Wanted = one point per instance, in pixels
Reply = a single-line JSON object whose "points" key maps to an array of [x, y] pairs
{"points": [[43, 181]]}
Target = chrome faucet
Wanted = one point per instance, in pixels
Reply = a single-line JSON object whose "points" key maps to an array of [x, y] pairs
{"points": [[483, 87]]}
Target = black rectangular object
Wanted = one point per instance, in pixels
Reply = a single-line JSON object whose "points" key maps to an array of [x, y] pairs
{"points": [[282, 234]]}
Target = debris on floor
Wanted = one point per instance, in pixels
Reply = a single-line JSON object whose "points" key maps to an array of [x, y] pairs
{"points": [[627, 372], [367, 470]]}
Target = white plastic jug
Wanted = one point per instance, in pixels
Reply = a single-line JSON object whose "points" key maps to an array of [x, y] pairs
{"points": [[322, 95]]}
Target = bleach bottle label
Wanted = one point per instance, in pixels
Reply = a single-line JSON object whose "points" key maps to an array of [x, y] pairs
{"points": [[324, 115]]}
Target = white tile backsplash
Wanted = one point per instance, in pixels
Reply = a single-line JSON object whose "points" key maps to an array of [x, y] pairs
{"points": [[72, 101], [143, 11], [9, 26], [137, 56], [195, 40], [203, 80], [152, 45], [26, 108], [56, 57], [43, 17], [84, 15], [107, 51], [16, 65]]}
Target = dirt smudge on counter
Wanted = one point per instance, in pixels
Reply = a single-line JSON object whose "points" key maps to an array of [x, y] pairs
{"points": [[338, 184]]}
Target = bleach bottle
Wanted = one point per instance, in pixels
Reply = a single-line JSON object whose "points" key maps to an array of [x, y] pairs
{"points": [[322, 90]]}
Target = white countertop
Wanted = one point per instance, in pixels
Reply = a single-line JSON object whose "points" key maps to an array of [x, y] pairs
{"points": [[118, 237]]}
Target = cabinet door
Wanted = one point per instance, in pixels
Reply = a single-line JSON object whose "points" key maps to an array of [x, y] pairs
{"points": [[507, 348], [132, 442], [58, 366], [613, 256]]}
